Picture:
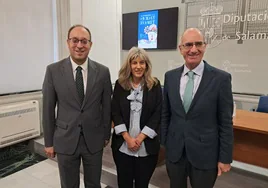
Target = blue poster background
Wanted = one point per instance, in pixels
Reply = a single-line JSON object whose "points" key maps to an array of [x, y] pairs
{"points": [[147, 29]]}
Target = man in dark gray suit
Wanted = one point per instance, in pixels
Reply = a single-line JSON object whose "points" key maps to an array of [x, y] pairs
{"points": [[197, 128], [80, 89]]}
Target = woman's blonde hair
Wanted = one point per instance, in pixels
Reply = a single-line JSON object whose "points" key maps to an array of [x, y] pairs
{"points": [[125, 75]]}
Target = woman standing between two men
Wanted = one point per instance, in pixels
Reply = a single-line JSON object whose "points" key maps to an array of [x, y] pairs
{"points": [[136, 113]]}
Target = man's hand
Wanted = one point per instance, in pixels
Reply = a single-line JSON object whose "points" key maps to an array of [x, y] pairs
{"points": [[50, 152], [223, 168], [106, 143]]}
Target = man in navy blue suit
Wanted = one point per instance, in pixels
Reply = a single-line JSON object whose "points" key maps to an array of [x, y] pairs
{"points": [[197, 127]]}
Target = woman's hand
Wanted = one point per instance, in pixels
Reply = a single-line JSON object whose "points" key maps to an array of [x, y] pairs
{"points": [[131, 142], [140, 138], [132, 145]]}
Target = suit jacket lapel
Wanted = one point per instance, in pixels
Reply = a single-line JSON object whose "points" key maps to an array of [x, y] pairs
{"points": [[177, 78], [144, 102], [91, 78], [126, 104], [69, 76], [206, 79]]}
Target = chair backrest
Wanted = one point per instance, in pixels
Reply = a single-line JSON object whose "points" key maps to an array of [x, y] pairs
{"points": [[263, 104]]}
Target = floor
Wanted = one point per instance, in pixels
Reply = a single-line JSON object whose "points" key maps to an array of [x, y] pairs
{"points": [[44, 174], [234, 179]]}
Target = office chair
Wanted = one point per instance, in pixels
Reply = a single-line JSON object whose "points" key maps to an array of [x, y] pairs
{"points": [[263, 104]]}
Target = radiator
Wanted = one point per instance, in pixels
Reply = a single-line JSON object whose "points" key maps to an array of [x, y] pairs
{"points": [[19, 122]]}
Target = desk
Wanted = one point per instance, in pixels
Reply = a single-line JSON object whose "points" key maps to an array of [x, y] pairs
{"points": [[251, 138]]}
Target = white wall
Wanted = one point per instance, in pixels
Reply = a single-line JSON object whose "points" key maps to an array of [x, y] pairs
{"points": [[246, 62], [26, 44], [162, 60], [105, 27], [103, 19]]}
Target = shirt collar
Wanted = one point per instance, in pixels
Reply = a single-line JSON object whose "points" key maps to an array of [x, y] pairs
{"points": [[197, 70], [84, 66]]}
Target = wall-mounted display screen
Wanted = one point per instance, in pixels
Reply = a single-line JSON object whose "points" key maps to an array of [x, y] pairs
{"points": [[152, 29]]}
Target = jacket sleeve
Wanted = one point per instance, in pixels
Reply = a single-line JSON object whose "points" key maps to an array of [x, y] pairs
{"points": [[225, 113], [155, 119], [49, 104], [165, 117], [116, 114], [106, 105]]}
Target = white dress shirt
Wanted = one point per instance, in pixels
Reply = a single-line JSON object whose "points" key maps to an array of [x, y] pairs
{"points": [[84, 67], [198, 73]]}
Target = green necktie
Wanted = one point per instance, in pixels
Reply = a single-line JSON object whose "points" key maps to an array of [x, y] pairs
{"points": [[188, 92], [79, 83]]}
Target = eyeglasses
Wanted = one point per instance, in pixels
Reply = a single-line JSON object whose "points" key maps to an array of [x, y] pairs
{"points": [[189, 45], [76, 41]]}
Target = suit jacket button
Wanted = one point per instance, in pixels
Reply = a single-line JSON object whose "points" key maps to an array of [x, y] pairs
{"points": [[82, 111], [79, 125]]}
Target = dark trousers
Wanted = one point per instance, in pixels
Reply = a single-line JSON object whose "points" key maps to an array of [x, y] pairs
{"points": [[138, 169], [69, 167], [178, 173]]}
